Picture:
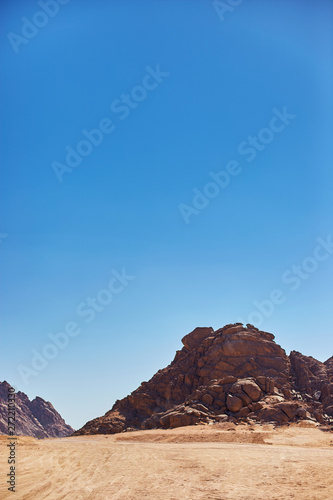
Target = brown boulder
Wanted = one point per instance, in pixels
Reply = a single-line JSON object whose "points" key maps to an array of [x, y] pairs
{"points": [[272, 414], [176, 419], [234, 403], [220, 402], [194, 339], [255, 406], [217, 388], [230, 379], [289, 408], [207, 399], [242, 413], [251, 389]]}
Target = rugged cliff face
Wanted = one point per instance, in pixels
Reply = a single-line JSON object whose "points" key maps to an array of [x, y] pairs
{"points": [[35, 418], [314, 380], [232, 373]]}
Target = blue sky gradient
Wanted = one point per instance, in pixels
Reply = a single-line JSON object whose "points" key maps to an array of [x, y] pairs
{"points": [[119, 208]]}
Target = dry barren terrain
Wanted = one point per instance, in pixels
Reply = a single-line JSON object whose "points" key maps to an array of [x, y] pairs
{"points": [[217, 462]]}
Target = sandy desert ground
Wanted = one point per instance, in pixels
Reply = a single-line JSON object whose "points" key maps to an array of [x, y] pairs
{"points": [[217, 462]]}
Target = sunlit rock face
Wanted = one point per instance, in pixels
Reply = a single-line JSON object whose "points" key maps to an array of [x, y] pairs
{"points": [[234, 373]]}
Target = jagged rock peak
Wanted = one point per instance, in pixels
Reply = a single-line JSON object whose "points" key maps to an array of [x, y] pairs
{"points": [[36, 418]]}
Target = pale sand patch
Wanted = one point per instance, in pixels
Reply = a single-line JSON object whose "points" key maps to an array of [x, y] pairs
{"points": [[215, 462]]}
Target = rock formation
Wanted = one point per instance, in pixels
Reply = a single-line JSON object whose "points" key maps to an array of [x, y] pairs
{"points": [[234, 373], [35, 418]]}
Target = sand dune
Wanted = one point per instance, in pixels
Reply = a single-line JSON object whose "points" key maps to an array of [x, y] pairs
{"points": [[217, 462]]}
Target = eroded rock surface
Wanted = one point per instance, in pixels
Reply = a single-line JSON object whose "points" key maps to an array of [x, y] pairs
{"points": [[234, 373]]}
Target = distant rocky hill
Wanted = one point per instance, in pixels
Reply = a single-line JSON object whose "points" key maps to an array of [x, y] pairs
{"points": [[234, 373], [35, 418]]}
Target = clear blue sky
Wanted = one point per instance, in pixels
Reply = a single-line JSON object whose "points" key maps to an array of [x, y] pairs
{"points": [[119, 208]]}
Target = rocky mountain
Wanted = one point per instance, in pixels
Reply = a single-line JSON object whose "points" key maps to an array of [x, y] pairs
{"points": [[35, 418], [234, 373]]}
